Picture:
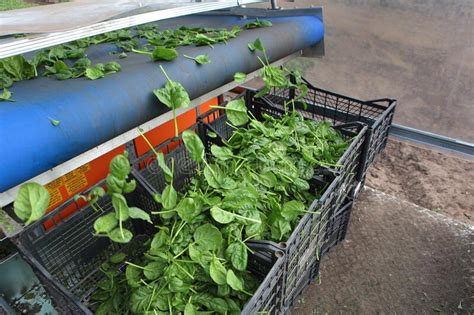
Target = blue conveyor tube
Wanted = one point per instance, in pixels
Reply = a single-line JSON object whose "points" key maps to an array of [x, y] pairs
{"points": [[92, 112]]}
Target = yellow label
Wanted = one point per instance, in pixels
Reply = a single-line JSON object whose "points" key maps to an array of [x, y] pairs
{"points": [[55, 183], [55, 196], [76, 183]]}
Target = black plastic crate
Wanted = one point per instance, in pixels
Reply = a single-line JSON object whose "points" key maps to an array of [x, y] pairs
{"points": [[325, 105], [337, 227], [350, 165], [303, 247], [66, 258]]}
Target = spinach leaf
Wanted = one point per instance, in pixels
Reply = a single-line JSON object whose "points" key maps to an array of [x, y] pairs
{"points": [[169, 197], [31, 202], [94, 73], [137, 213], [120, 235], [120, 166], [240, 77], [6, 95], [237, 112], [194, 145], [237, 253], [292, 209], [200, 59], [160, 239], [174, 96], [233, 281], [217, 271], [258, 23], [105, 223], [208, 236], [187, 209], [221, 216], [117, 258]]}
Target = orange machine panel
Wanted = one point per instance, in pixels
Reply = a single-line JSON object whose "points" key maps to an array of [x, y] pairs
{"points": [[80, 179]]}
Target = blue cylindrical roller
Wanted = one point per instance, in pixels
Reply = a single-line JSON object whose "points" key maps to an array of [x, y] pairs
{"points": [[92, 112]]}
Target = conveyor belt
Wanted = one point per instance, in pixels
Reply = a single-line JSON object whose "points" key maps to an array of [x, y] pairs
{"points": [[92, 112]]}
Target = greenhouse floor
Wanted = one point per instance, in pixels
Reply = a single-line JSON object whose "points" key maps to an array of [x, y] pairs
{"points": [[398, 258]]}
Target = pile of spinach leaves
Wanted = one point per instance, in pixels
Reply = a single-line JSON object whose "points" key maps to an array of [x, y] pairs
{"points": [[68, 61], [256, 186]]}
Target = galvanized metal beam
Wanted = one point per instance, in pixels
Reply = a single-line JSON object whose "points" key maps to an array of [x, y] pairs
{"points": [[431, 139], [15, 46]]}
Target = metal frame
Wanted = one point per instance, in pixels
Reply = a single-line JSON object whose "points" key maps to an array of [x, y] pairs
{"points": [[15, 46], [8, 196], [431, 139]]}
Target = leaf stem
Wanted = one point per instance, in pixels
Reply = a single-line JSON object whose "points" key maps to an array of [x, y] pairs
{"points": [[164, 72]]}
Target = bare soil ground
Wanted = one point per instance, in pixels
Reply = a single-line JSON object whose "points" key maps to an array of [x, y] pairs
{"points": [[434, 180], [397, 258]]}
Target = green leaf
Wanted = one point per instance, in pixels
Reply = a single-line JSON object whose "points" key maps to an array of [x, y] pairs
{"points": [[217, 271], [112, 67], [222, 153], [221, 216], [268, 179], [94, 73], [160, 158], [114, 184], [169, 197], [159, 240], [187, 209], [258, 23], [54, 122], [137, 213], [18, 68], [173, 95], [208, 236], [121, 208], [116, 235], [251, 47], [258, 45], [237, 253], [133, 276], [240, 77], [237, 112], [280, 228], [120, 166], [105, 223], [190, 309], [6, 95], [31, 202], [234, 282], [164, 54], [194, 145], [201, 59], [154, 269], [117, 258], [213, 175], [292, 209]]}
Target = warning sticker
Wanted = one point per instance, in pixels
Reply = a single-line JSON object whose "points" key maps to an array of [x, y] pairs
{"points": [[75, 183], [55, 197], [55, 183]]}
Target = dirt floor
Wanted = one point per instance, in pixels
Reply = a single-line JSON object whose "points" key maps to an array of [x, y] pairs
{"points": [[419, 52], [434, 180], [397, 258]]}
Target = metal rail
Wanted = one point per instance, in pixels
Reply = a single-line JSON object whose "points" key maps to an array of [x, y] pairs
{"points": [[15, 46], [8, 196], [431, 139]]}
